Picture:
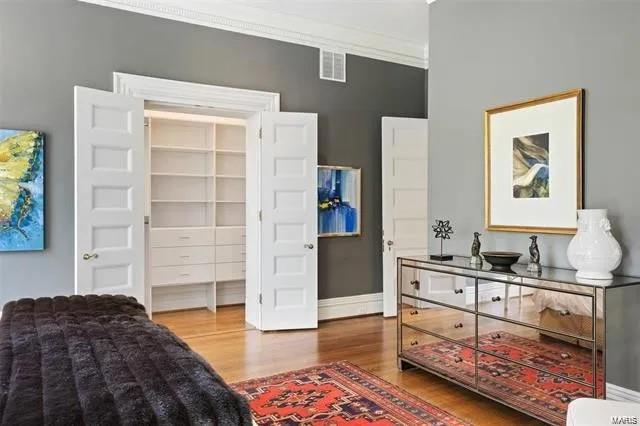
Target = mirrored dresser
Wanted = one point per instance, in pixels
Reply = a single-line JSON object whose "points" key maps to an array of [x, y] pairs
{"points": [[534, 342]]}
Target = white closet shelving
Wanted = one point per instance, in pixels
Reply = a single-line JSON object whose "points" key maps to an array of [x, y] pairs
{"points": [[196, 195]]}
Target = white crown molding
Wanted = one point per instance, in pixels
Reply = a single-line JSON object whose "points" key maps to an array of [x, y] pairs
{"points": [[242, 18], [182, 92]]}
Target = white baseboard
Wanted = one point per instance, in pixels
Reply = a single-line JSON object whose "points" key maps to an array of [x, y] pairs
{"points": [[341, 307], [618, 393], [230, 293]]}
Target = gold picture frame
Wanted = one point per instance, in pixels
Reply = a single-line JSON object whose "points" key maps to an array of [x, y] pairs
{"points": [[492, 113]]}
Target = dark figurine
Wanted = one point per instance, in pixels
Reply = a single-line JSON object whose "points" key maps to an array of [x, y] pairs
{"points": [[534, 255], [443, 230], [475, 249]]}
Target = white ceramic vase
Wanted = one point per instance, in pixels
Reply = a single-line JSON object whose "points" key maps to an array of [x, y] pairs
{"points": [[594, 252]]}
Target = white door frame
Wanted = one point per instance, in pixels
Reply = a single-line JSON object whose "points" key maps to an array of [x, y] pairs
{"points": [[190, 94]]}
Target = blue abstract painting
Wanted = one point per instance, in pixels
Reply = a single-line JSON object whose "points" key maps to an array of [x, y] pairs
{"points": [[21, 190], [338, 201]]}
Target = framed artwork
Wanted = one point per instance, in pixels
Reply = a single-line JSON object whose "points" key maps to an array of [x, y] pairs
{"points": [[21, 190], [533, 164], [339, 208]]}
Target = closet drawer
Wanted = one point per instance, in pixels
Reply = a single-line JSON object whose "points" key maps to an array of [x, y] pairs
{"points": [[230, 271], [181, 237], [190, 274], [226, 254], [230, 235], [173, 256]]}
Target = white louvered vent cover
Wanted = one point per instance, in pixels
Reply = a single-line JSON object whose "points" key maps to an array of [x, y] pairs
{"points": [[333, 66]]}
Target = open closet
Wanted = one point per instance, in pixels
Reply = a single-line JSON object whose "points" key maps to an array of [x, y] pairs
{"points": [[195, 209], [189, 195]]}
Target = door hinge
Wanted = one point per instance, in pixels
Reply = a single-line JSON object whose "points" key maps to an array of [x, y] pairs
{"points": [[260, 299], [260, 215], [260, 133]]}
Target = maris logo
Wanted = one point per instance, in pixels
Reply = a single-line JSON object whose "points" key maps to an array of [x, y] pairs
{"points": [[624, 420]]}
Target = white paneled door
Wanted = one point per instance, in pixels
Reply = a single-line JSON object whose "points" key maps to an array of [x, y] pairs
{"points": [[404, 198], [289, 230], [109, 194]]}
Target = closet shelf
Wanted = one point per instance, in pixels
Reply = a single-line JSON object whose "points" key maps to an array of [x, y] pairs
{"points": [[179, 148], [230, 201], [230, 151], [183, 201], [185, 175], [231, 177]]}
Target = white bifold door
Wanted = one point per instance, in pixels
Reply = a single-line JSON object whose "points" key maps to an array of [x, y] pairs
{"points": [[109, 194], [281, 234], [404, 199], [285, 221]]}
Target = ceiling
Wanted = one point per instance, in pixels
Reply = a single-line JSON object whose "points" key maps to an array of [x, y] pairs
{"points": [[392, 30]]}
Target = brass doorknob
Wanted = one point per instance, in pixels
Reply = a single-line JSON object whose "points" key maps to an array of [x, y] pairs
{"points": [[88, 256]]}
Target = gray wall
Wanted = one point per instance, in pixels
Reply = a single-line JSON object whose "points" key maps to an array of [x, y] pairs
{"points": [[47, 47], [487, 53]]}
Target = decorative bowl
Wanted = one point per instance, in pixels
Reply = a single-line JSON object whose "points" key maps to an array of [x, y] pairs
{"points": [[501, 260]]}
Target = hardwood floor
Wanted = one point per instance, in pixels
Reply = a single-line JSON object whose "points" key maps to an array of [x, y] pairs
{"points": [[237, 354]]}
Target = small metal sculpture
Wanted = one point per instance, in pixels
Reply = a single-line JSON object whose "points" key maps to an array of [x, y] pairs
{"points": [[443, 230], [534, 256], [475, 249]]}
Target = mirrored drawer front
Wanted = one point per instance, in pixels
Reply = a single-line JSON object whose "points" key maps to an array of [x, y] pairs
{"points": [[191, 274], [226, 254], [230, 271], [230, 235], [528, 389], [573, 311], [174, 256], [181, 237], [448, 359], [548, 351], [441, 320], [439, 286]]}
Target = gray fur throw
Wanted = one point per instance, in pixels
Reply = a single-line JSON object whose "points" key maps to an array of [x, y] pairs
{"points": [[99, 360]]}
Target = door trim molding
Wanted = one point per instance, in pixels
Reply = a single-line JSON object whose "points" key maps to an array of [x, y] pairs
{"points": [[341, 307], [618, 393], [187, 93]]}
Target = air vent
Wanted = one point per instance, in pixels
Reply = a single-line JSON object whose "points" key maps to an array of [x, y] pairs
{"points": [[333, 66]]}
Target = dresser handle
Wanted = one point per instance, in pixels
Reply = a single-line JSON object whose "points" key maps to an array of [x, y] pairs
{"points": [[415, 284], [458, 291], [496, 299], [564, 313], [185, 275], [457, 359], [458, 325], [184, 238], [565, 399], [414, 312], [414, 342], [495, 336], [495, 373], [565, 356], [185, 256]]}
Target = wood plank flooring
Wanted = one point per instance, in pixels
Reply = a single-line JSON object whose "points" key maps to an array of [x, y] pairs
{"points": [[238, 353]]}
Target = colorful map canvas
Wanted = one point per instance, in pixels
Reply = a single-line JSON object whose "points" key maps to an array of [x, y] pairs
{"points": [[338, 201], [21, 190]]}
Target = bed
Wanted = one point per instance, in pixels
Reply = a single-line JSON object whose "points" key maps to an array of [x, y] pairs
{"points": [[553, 307], [100, 360]]}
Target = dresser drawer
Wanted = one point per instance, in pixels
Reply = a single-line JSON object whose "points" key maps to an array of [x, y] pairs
{"points": [[230, 271], [439, 286], [574, 312], [547, 351], [189, 274], [447, 322], [230, 235], [226, 254], [174, 256], [447, 359], [181, 237]]}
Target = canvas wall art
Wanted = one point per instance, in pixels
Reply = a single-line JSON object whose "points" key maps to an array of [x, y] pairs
{"points": [[339, 209], [533, 164], [21, 190]]}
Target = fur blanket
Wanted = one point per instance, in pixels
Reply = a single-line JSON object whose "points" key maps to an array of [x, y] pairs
{"points": [[99, 360]]}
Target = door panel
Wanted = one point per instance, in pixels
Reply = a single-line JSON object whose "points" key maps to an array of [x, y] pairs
{"points": [[404, 199], [289, 230], [109, 193]]}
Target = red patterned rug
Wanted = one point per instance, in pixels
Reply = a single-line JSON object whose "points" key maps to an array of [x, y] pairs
{"points": [[337, 394], [544, 394]]}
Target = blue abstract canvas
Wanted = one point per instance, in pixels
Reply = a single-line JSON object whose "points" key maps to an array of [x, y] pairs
{"points": [[338, 201], [21, 190]]}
